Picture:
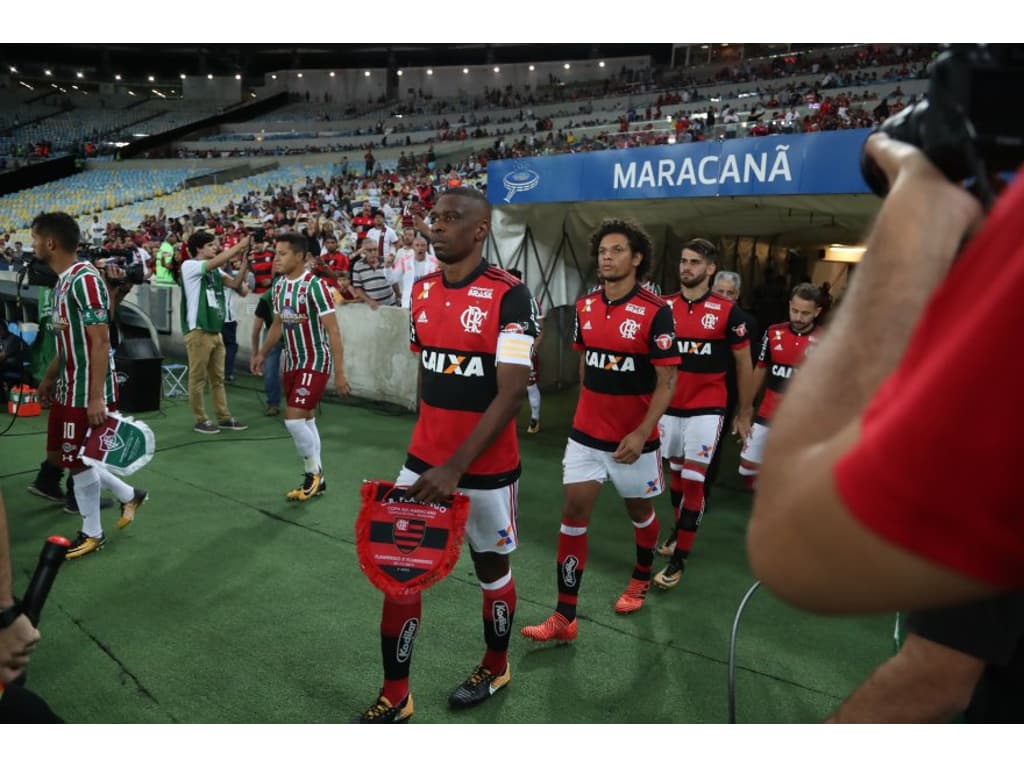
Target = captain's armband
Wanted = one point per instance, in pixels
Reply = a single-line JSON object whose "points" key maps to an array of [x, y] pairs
{"points": [[514, 348]]}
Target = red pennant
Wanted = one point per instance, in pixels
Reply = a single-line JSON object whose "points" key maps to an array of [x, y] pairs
{"points": [[406, 546]]}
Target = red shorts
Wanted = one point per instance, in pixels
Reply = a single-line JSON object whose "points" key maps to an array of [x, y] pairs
{"points": [[303, 388], [65, 433]]}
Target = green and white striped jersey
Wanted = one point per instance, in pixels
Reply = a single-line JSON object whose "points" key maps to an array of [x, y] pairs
{"points": [[79, 300], [303, 305]]}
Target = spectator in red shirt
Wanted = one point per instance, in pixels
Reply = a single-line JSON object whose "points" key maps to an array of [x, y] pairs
{"points": [[330, 265], [261, 262], [362, 222]]}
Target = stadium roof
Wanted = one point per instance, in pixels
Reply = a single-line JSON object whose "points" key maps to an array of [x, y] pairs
{"points": [[168, 60]]}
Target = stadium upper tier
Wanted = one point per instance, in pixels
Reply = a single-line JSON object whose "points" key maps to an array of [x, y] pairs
{"points": [[67, 122], [68, 129], [423, 120], [90, 192]]}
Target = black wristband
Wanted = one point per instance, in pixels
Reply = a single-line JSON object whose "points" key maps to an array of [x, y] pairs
{"points": [[9, 615]]}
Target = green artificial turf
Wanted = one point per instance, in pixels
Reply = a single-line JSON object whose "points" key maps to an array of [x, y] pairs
{"points": [[224, 603]]}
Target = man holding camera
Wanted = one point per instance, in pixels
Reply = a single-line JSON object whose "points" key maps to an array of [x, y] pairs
{"points": [[203, 309], [870, 496]]}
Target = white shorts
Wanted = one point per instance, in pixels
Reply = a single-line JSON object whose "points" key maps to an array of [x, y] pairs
{"points": [[491, 525], [691, 438], [753, 448], [640, 480]]}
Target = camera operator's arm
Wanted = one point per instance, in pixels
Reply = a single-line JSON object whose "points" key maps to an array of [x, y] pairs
{"points": [[18, 640], [802, 540], [925, 682]]}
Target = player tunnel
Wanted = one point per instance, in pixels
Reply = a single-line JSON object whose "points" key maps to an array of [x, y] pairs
{"points": [[771, 204]]}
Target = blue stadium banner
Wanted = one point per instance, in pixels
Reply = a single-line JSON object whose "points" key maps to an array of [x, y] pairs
{"points": [[785, 164]]}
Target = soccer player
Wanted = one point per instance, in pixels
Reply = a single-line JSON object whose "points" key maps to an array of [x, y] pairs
{"points": [[303, 312], [783, 349], [80, 379], [711, 335], [533, 389], [473, 328], [628, 372]]}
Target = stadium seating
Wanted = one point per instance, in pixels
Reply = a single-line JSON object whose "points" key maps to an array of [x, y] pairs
{"points": [[90, 192]]}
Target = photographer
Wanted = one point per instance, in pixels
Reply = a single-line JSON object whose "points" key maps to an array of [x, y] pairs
{"points": [[883, 486], [119, 285], [203, 309]]}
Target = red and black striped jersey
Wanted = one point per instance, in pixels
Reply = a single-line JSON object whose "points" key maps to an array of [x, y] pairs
{"points": [[707, 330], [621, 342], [454, 328], [782, 352], [261, 263]]}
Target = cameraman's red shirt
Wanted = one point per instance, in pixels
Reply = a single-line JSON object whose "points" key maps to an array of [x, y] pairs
{"points": [[936, 470]]}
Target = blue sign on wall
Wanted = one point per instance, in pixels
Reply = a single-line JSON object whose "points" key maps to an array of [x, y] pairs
{"points": [[788, 164]]}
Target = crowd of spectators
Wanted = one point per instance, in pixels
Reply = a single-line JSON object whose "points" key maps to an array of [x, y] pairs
{"points": [[786, 107], [381, 219]]}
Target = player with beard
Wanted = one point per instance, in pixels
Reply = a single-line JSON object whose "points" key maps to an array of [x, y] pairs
{"points": [[628, 371], [783, 349], [711, 335], [473, 327], [80, 380]]}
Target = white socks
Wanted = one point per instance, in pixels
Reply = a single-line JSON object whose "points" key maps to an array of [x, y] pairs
{"points": [[533, 393], [311, 425], [87, 494], [112, 482], [304, 441]]}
